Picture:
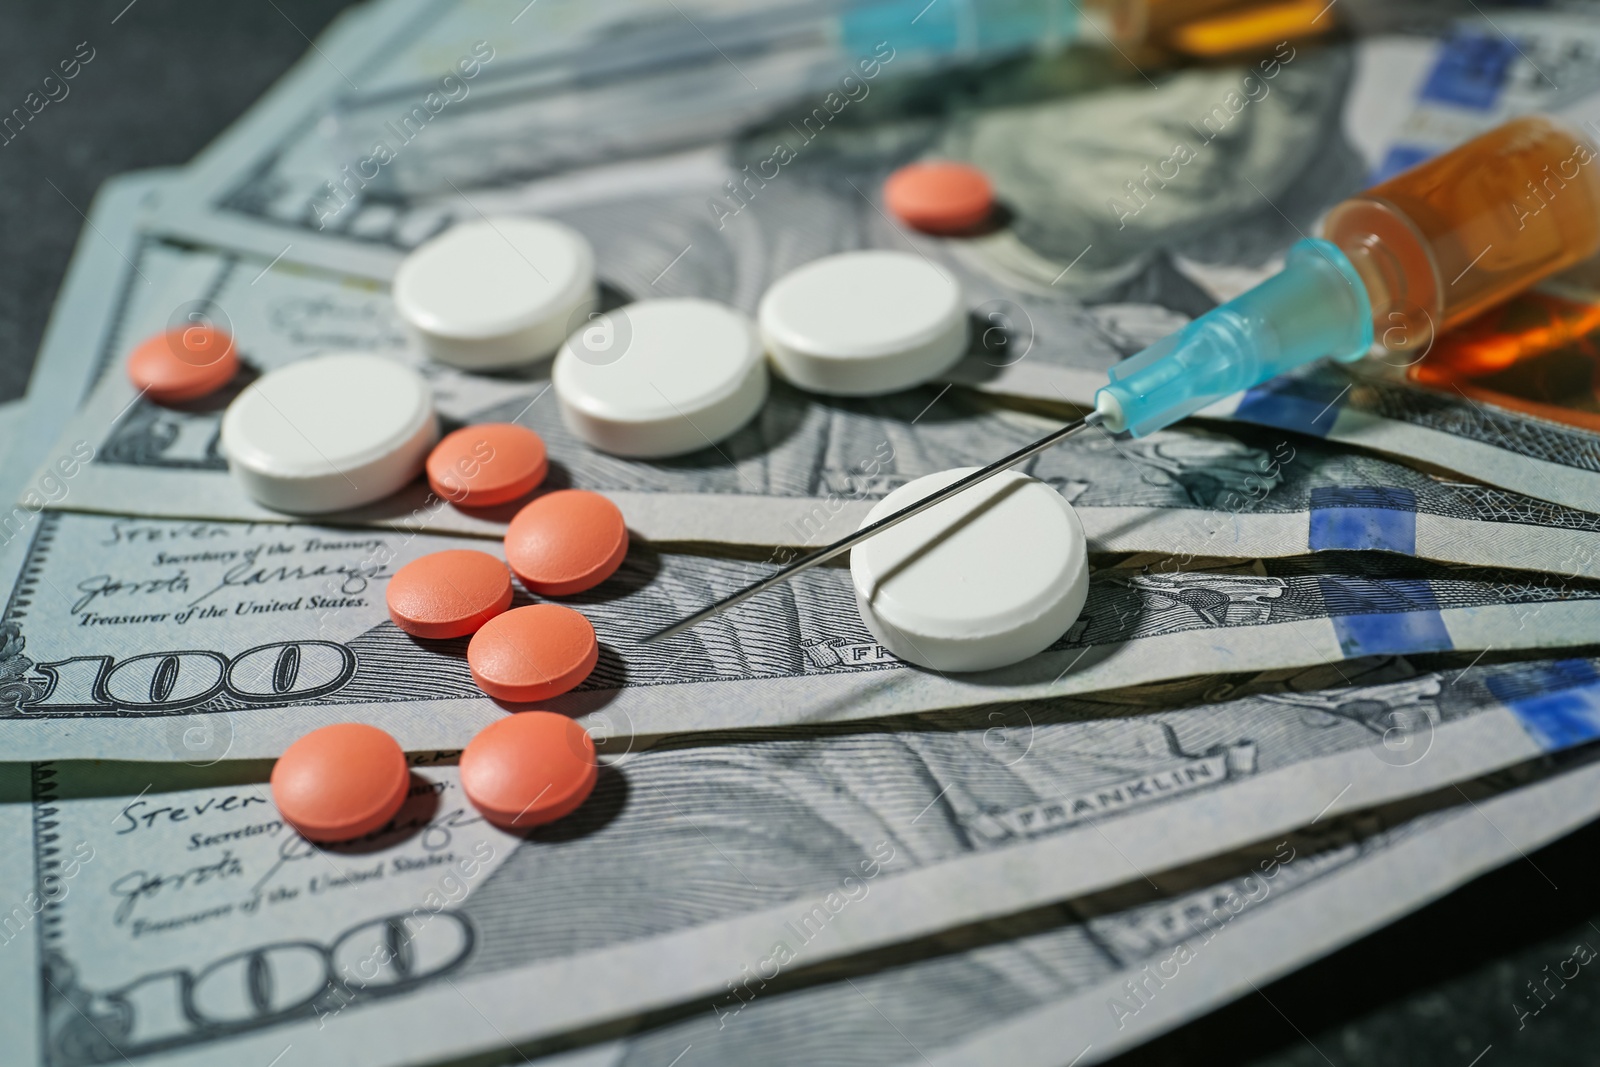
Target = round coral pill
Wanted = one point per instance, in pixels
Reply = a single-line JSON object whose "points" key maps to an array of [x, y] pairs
{"points": [[532, 653], [528, 769], [566, 542], [491, 463], [448, 594], [185, 363], [939, 197], [340, 782]]}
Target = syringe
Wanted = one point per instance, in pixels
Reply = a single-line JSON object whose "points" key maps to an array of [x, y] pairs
{"points": [[1415, 255]]}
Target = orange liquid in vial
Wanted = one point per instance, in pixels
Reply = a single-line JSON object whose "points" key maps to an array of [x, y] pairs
{"points": [[1539, 354], [1454, 236]]}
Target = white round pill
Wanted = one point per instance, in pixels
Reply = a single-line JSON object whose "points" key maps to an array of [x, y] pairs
{"points": [[864, 323], [330, 433], [661, 377], [497, 292], [985, 579]]}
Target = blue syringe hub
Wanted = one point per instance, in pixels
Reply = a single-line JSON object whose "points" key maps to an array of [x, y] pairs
{"points": [[1316, 306]]}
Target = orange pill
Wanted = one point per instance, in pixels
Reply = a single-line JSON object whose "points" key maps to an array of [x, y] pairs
{"points": [[528, 769], [184, 363], [491, 463], [939, 197], [448, 594], [340, 782], [532, 653], [566, 542]]}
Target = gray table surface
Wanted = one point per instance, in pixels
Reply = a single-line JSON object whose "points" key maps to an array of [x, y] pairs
{"points": [[1436, 988], [167, 76]]}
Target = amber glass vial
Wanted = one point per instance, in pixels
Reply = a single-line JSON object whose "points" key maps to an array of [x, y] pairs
{"points": [[1447, 239]]}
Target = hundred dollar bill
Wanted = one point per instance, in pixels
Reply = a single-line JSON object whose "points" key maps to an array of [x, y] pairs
{"points": [[1087, 979], [1132, 206], [138, 631], [1536, 435], [1442, 852], [805, 472], [329, 166], [344, 162], [183, 923]]}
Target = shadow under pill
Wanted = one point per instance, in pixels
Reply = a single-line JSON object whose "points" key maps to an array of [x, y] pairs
{"points": [[420, 807], [557, 477], [610, 674], [415, 499], [1061, 660], [609, 800], [637, 570], [926, 405], [500, 514], [612, 296], [605, 681], [214, 403], [448, 424], [454, 647], [782, 416], [1000, 217]]}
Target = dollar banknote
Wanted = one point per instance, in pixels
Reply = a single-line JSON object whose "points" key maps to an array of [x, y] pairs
{"points": [[805, 472], [138, 631], [908, 838], [1394, 402], [1104, 250], [1090, 978], [1466, 841], [646, 75], [183, 922], [266, 184]]}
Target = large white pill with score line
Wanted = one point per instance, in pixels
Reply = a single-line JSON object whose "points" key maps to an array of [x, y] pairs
{"points": [[864, 323], [983, 580], [329, 433], [661, 377], [496, 292]]}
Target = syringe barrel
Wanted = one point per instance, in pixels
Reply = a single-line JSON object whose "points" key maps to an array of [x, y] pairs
{"points": [[1462, 232], [1316, 306]]}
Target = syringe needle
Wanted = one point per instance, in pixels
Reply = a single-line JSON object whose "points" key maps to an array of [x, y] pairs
{"points": [[844, 544]]}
